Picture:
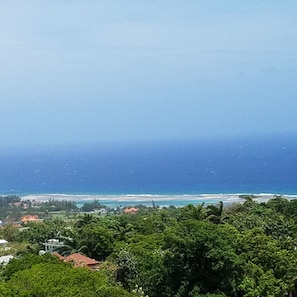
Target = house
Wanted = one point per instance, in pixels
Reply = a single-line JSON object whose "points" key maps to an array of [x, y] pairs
{"points": [[52, 244], [79, 260]]}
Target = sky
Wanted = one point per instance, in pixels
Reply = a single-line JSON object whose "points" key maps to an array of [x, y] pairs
{"points": [[92, 71]]}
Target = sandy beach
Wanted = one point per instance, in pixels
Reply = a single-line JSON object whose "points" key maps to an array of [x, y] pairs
{"points": [[161, 200]]}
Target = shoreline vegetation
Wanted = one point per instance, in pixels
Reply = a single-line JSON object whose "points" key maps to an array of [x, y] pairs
{"points": [[202, 249]]}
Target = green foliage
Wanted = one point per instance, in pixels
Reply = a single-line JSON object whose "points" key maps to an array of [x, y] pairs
{"points": [[98, 241], [139, 291], [38, 233], [270, 268], [155, 221], [86, 219], [201, 255], [291, 210], [19, 249], [244, 250], [126, 268], [211, 213], [9, 232], [4, 290], [267, 219], [9, 208], [25, 262], [58, 205], [195, 212], [58, 280], [112, 292], [148, 263], [73, 244], [8, 200], [215, 213], [279, 204], [122, 227], [208, 295], [87, 207]]}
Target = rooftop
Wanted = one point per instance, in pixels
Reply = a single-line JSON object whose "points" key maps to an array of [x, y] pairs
{"points": [[131, 210], [81, 260]]}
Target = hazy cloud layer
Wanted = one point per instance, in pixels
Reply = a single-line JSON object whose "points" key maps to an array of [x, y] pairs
{"points": [[91, 71]]}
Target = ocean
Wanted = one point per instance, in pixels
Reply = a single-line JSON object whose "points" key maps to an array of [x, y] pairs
{"points": [[235, 165]]}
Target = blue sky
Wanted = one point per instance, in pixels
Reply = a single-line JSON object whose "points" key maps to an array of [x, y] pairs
{"points": [[103, 71]]}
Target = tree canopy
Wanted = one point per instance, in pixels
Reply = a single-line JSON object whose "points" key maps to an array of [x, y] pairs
{"points": [[239, 250]]}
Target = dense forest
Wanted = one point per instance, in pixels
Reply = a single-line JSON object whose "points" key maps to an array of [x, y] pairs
{"points": [[236, 250]]}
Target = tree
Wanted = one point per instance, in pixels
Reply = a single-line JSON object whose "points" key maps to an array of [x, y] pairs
{"points": [[148, 267], [150, 223], [195, 212], [87, 207], [266, 219], [126, 272], [98, 241], [279, 204], [215, 212], [25, 262], [40, 232], [10, 232], [85, 220], [121, 226], [72, 244], [270, 269], [201, 257], [59, 280]]}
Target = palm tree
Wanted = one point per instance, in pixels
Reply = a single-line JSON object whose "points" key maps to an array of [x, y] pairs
{"points": [[72, 244], [122, 228], [215, 213], [195, 212], [249, 202], [85, 220]]}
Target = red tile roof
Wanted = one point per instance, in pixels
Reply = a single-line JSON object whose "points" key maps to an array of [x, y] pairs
{"points": [[81, 260], [29, 218], [58, 255], [131, 210]]}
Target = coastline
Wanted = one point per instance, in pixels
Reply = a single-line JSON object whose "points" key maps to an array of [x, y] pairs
{"points": [[160, 200]]}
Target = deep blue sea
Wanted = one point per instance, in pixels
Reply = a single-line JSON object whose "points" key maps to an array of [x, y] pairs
{"points": [[237, 165]]}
